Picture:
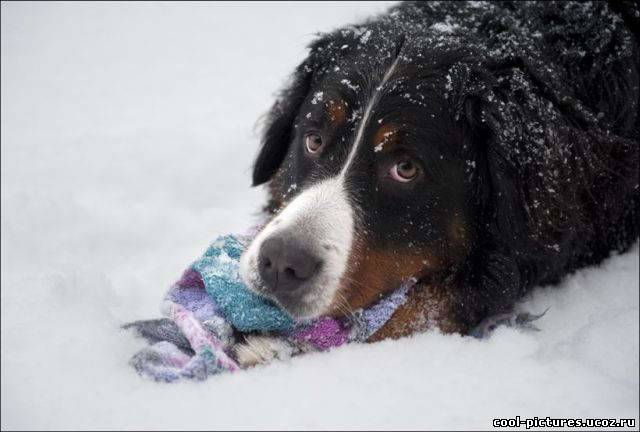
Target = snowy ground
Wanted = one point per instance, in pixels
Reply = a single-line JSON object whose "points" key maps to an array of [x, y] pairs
{"points": [[127, 138]]}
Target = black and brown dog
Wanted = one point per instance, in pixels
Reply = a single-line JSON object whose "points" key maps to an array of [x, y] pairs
{"points": [[482, 148]]}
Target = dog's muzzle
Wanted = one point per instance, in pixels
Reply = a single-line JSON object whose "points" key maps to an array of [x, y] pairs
{"points": [[299, 258]]}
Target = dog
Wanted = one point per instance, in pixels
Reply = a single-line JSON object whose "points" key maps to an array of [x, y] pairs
{"points": [[481, 148]]}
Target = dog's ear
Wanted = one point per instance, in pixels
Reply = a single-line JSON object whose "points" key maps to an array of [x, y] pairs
{"points": [[497, 182], [526, 147], [279, 124]]}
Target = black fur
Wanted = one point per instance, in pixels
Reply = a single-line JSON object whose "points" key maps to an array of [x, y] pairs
{"points": [[524, 115], [277, 135]]}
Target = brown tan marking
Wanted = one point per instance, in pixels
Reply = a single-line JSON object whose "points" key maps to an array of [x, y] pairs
{"points": [[373, 273], [387, 134], [428, 306], [337, 111]]}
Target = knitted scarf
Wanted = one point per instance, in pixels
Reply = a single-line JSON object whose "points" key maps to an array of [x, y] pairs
{"points": [[209, 309]]}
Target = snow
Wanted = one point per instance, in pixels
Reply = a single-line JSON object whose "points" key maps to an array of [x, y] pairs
{"points": [[353, 87], [317, 97], [444, 27], [127, 138]]}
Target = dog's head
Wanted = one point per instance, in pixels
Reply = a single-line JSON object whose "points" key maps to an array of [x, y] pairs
{"points": [[370, 172]]}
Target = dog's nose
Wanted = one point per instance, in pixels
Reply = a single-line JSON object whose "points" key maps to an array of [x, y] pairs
{"points": [[285, 264]]}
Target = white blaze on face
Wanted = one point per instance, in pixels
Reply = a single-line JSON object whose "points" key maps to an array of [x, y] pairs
{"points": [[367, 115], [322, 217]]}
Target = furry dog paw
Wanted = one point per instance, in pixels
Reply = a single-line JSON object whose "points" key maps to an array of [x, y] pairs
{"points": [[256, 350]]}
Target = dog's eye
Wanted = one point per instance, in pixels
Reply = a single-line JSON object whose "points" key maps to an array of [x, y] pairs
{"points": [[404, 171], [313, 142]]}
